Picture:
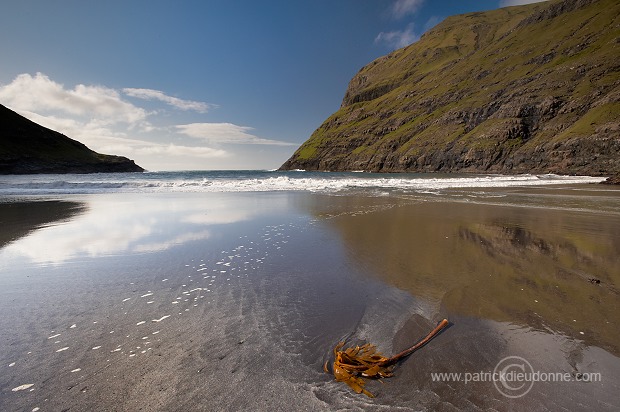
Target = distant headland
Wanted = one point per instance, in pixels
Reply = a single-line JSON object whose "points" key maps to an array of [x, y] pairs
{"points": [[29, 148]]}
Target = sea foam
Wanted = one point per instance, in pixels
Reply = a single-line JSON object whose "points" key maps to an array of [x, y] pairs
{"points": [[265, 181]]}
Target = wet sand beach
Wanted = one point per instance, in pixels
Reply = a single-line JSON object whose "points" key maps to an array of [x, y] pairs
{"points": [[233, 301]]}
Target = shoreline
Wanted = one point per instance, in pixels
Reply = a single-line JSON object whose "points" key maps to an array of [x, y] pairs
{"points": [[242, 296]]}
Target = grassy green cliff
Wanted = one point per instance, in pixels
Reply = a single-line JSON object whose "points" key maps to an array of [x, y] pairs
{"points": [[26, 148], [532, 88]]}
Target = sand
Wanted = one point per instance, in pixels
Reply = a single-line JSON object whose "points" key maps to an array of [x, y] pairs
{"points": [[234, 301]]}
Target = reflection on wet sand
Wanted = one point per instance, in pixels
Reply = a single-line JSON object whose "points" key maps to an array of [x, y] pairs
{"points": [[112, 224], [551, 270], [19, 218], [160, 302]]}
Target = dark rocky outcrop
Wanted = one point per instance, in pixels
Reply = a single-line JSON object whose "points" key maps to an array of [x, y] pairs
{"points": [[612, 180], [533, 88], [27, 148]]}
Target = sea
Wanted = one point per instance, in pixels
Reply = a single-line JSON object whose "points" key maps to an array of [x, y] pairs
{"points": [[221, 181]]}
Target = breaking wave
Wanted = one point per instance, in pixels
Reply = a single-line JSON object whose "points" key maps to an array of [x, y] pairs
{"points": [[268, 181]]}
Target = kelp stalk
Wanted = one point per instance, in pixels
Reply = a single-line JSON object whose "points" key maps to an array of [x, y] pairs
{"points": [[351, 365]]}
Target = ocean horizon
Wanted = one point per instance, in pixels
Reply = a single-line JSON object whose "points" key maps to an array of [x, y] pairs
{"points": [[271, 180]]}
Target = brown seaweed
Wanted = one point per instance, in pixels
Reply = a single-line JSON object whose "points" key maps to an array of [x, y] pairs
{"points": [[353, 365]]}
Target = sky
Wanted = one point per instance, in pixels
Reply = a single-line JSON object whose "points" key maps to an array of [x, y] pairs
{"points": [[199, 85]]}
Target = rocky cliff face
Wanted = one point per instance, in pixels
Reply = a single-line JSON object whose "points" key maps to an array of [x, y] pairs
{"points": [[27, 148], [532, 88]]}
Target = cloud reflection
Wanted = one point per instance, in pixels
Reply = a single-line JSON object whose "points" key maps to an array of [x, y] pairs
{"points": [[123, 224]]}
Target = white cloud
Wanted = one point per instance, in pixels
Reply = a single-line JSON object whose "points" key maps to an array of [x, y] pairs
{"points": [[40, 93], [150, 94], [507, 3], [104, 120], [95, 134], [177, 150], [399, 38], [105, 140], [226, 133], [75, 128], [402, 8], [432, 22]]}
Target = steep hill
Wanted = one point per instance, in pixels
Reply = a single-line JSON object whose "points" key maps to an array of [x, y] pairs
{"points": [[532, 88], [27, 147]]}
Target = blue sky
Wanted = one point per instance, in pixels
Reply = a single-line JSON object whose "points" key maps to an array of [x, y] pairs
{"points": [[198, 84]]}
